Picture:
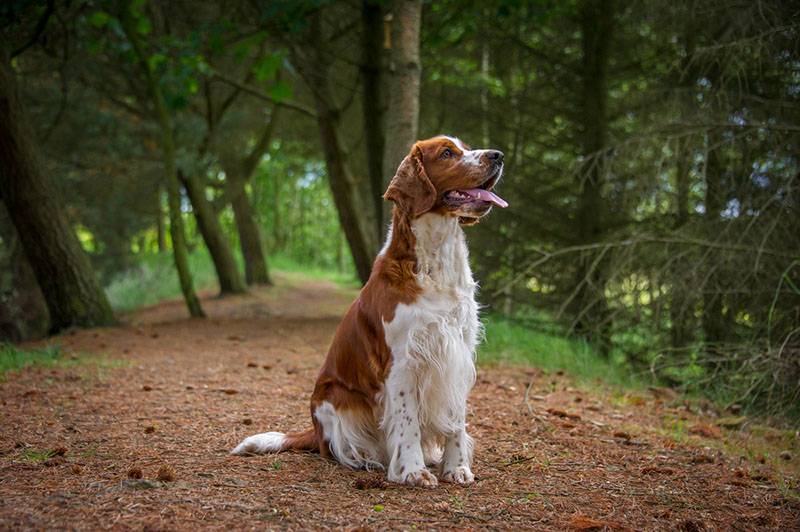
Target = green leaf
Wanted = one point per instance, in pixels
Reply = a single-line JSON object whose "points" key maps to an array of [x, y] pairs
{"points": [[143, 26], [267, 67], [98, 19], [377, 508], [155, 60], [95, 46], [280, 91]]}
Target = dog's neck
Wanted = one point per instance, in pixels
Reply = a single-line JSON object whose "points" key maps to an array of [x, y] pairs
{"points": [[436, 245]]}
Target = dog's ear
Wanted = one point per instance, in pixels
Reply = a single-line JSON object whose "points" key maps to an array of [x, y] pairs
{"points": [[410, 188]]}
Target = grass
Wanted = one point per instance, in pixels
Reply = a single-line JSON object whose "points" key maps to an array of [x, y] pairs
{"points": [[506, 342], [32, 455], [155, 279], [509, 342], [13, 358], [288, 266]]}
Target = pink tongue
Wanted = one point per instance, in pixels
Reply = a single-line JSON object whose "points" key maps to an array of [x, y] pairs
{"points": [[486, 195]]}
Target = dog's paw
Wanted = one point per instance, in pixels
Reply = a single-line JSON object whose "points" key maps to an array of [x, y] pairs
{"points": [[422, 479], [458, 475]]}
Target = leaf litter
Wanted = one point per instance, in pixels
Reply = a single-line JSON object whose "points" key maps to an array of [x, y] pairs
{"points": [[561, 465]]}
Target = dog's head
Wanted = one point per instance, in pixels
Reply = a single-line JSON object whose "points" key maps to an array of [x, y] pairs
{"points": [[444, 175]]}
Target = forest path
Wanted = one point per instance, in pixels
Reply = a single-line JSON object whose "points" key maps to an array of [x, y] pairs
{"points": [[185, 391]]}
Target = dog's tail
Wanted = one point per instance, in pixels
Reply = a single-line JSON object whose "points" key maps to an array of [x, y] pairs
{"points": [[275, 442]]}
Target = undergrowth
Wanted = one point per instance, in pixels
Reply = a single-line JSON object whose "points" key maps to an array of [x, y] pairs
{"points": [[509, 342], [13, 358], [155, 278]]}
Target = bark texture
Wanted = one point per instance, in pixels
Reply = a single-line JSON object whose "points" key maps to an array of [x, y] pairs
{"points": [[402, 115], [373, 104], [590, 305], [73, 294], [255, 262], [23, 310], [230, 280], [237, 175]]}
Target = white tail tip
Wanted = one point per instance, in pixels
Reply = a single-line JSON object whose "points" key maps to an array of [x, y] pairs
{"points": [[268, 442]]}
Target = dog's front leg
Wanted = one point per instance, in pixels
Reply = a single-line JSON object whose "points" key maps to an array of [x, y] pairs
{"points": [[403, 435], [457, 457]]}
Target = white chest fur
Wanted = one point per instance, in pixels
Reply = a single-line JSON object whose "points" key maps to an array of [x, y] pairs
{"points": [[433, 344], [433, 340]]}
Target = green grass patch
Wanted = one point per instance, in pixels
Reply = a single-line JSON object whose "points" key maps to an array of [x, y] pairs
{"points": [[32, 455], [13, 358], [154, 279], [293, 269], [509, 342]]}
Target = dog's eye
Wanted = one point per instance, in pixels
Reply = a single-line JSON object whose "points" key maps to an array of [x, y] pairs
{"points": [[447, 153]]}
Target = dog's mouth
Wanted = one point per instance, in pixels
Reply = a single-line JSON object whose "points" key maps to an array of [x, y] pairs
{"points": [[476, 198]]}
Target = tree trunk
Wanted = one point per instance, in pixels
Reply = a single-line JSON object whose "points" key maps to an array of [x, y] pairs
{"points": [[590, 305], [255, 263], [682, 300], [313, 63], [176, 228], [371, 73], [238, 174], [73, 294], [343, 193], [713, 320], [160, 226], [230, 280], [402, 116], [23, 310]]}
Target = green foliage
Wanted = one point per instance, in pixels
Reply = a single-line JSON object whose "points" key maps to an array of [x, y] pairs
{"points": [[293, 198], [32, 455], [509, 342], [13, 358], [698, 287], [154, 279]]}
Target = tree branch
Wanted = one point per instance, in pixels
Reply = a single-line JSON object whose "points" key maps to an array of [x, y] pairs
{"points": [[253, 91], [37, 32]]}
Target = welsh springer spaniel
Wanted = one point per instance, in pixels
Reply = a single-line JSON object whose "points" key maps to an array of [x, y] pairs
{"points": [[392, 393]]}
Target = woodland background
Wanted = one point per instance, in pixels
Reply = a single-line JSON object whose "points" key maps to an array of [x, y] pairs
{"points": [[156, 148]]}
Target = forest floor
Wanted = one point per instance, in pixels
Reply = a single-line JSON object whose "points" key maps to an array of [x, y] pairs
{"points": [[167, 396]]}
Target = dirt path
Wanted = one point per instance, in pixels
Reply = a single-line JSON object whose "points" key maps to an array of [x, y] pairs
{"points": [[183, 392]]}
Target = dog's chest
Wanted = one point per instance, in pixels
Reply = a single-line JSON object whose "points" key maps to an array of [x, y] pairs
{"points": [[447, 311]]}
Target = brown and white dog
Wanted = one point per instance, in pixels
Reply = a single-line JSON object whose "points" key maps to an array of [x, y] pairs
{"points": [[392, 393]]}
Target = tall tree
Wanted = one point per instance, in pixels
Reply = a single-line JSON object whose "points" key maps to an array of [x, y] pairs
{"points": [[177, 231], [402, 115], [230, 280], [23, 309], [62, 268], [372, 42], [238, 173], [314, 62], [597, 26]]}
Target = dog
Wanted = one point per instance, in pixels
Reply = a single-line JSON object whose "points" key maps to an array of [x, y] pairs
{"points": [[392, 393]]}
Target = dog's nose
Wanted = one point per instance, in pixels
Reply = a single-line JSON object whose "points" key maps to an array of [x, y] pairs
{"points": [[495, 155]]}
